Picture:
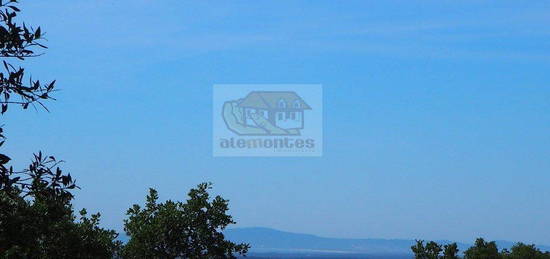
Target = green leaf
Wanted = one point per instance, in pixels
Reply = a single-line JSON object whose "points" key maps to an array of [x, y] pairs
{"points": [[14, 8], [37, 33]]}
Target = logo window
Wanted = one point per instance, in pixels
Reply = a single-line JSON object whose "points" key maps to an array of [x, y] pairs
{"points": [[282, 104]]}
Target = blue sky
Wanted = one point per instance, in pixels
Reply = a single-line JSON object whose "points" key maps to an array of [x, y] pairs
{"points": [[435, 112]]}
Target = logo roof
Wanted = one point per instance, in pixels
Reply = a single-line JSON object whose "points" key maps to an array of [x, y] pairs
{"points": [[270, 99]]}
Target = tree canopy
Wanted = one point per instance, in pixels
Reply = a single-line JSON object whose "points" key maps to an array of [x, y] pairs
{"points": [[174, 229], [480, 250], [433, 250]]}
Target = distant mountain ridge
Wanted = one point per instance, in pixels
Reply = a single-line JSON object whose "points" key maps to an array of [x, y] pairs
{"points": [[271, 240]]}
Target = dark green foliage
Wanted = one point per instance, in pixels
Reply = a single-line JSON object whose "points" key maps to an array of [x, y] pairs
{"points": [[45, 228], [37, 219], [93, 241], [450, 251], [18, 41], [36, 215], [176, 229], [432, 250], [480, 250], [523, 251]]}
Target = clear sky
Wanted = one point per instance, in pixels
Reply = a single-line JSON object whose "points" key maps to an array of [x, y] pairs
{"points": [[436, 113]]}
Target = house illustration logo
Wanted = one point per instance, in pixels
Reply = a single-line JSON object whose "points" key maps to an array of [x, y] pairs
{"points": [[266, 113], [264, 120]]}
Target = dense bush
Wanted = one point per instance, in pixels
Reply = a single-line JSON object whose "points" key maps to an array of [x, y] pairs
{"points": [[480, 250]]}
